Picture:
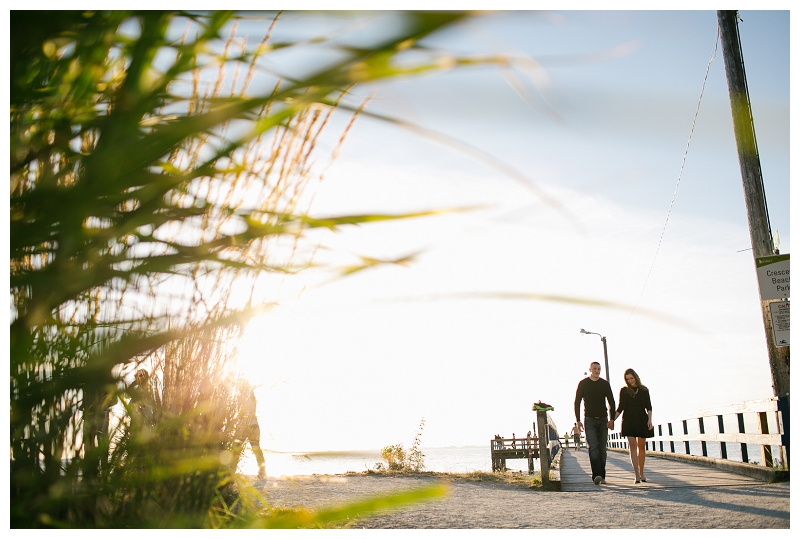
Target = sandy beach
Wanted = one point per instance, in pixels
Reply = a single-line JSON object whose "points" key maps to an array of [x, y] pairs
{"points": [[494, 504]]}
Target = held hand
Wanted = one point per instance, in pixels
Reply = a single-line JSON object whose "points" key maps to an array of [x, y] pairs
{"points": [[610, 424]]}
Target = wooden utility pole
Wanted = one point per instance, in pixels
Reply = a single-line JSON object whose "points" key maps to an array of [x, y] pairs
{"points": [[750, 165]]}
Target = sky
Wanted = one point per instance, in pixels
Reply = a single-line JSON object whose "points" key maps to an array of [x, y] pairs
{"points": [[461, 336]]}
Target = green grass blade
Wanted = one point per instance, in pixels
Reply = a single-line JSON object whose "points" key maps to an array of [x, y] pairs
{"points": [[305, 518]]}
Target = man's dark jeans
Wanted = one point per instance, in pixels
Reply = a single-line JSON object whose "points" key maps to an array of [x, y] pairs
{"points": [[596, 439]]}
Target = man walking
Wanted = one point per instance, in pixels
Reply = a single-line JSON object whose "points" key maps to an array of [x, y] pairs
{"points": [[576, 437], [594, 392], [252, 431]]}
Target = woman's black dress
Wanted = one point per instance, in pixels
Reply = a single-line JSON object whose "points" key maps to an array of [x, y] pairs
{"points": [[634, 413]]}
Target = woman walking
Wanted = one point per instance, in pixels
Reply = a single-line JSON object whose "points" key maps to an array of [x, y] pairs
{"points": [[637, 420]]}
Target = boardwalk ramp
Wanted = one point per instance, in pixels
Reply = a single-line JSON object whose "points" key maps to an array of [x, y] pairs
{"points": [[660, 473]]}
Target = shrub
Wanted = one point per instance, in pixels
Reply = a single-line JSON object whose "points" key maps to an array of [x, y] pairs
{"points": [[395, 457], [399, 460]]}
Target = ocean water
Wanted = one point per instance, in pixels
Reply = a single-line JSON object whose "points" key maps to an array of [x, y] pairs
{"points": [[437, 459], [734, 451]]}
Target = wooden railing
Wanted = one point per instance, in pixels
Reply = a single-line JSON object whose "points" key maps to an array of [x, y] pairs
{"points": [[569, 441], [531, 443], [528, 447], [725, 432], [514, 448]]}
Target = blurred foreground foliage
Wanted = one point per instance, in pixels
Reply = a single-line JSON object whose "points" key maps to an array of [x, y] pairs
{"points": [[145, 180]]}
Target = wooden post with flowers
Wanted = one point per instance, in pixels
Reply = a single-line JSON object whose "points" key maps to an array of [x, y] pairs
{"points": [[544, 446]]}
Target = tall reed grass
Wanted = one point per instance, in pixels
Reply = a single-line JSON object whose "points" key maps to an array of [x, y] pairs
{"points": [[145, 180]]}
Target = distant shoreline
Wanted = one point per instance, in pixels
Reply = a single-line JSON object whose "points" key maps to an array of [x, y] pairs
{"points": [[453, 459], [362, 452]]}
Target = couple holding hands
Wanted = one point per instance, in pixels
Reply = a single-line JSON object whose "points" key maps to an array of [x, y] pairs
{"points": [[637, 419]]}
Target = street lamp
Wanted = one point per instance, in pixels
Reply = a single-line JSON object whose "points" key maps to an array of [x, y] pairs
{"points": [[605, 349]]}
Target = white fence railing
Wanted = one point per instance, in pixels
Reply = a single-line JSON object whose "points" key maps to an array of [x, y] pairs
{"points": [[727, 432]]}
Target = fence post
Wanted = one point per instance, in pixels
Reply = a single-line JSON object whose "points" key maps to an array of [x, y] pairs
{"points": [[544, 446], [530, 454], [740, 418], [703, 445], [671, 442], [766, 450], [723, 449], [686, 432]]}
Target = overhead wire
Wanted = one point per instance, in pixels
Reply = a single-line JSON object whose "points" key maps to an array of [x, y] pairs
{"points": [[680, 173]]}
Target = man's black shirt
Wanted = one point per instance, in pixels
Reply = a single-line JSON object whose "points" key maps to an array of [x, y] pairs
{"points": [[594, 394]]}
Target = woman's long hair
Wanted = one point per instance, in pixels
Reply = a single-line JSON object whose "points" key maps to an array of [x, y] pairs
{"points": [[636, 378]]}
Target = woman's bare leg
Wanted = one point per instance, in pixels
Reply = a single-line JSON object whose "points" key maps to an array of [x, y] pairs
{"points": [[633, 447], [642, 442]]}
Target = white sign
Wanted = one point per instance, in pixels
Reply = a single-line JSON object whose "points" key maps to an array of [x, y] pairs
{"points": [[779, 310], [773, 277]]}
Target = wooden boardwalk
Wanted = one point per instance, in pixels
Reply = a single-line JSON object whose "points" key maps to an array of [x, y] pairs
{"points": [[661, 474]]}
